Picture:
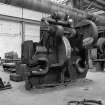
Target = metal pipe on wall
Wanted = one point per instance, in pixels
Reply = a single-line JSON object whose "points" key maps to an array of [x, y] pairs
{"points": [[49, 7]]}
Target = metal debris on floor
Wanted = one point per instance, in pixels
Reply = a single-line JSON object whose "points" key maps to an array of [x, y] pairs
{"points": [[86, 102], [4, 85]]}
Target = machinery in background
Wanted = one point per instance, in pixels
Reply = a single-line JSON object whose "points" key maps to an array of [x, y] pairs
{"points": [[9, 63], [62, 53], [10, 56], [99, 50]]}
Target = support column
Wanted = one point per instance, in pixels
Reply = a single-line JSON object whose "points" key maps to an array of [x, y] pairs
{"points": [[23, 31]]}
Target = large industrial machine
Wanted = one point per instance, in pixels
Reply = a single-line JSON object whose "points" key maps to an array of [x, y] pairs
{"points": [[62, 53]]}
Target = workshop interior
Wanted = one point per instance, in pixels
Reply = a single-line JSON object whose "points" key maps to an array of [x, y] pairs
{"points": [[46, 44]]}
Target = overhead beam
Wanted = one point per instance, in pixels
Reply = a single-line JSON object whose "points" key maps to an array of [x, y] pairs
{"points": [[100, 2], [96, 5], [17, 19]]}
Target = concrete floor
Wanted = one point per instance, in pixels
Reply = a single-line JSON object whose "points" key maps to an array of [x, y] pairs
{"points": [[94, 88]]}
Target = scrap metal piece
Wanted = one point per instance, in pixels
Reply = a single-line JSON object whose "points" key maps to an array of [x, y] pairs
{"points": [[86, 102], [4, 85]]}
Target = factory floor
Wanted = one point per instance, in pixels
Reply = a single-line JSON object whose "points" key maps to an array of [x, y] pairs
{"points": [[92, 88]]}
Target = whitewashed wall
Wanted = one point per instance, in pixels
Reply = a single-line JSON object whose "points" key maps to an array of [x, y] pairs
{"points": [[32, 32], [17, 12], [10, 37], [10, 32]]}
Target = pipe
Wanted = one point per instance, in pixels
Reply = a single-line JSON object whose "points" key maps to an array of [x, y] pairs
{"points": [[49, 7]]}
